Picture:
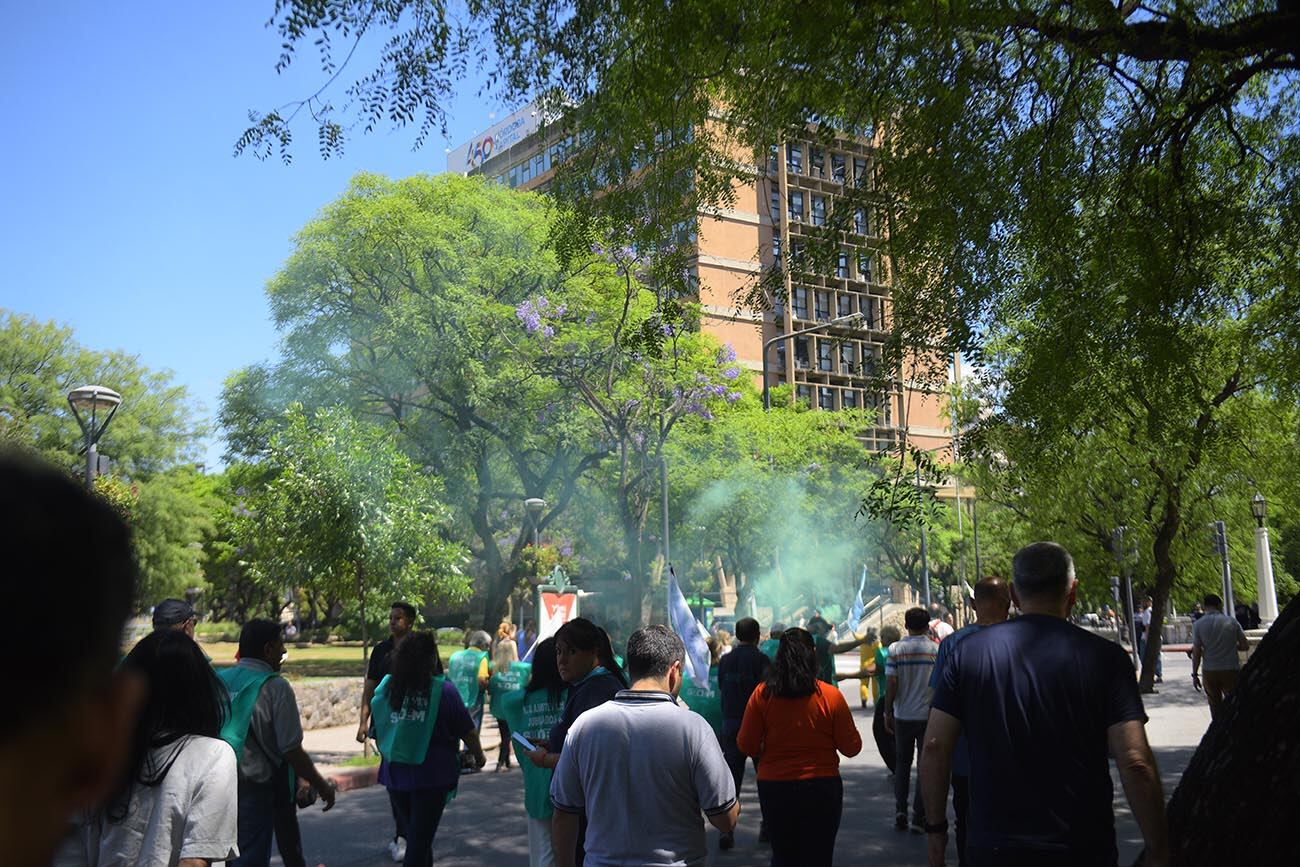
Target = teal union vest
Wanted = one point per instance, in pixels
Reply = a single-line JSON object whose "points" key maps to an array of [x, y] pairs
{"points": [[463, 668], [403, 735]]}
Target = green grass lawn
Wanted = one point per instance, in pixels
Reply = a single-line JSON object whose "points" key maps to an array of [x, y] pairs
{"points": [[311, 660]]}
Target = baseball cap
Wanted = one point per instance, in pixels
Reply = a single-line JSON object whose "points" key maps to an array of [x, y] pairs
{"points": [[169, 612]]}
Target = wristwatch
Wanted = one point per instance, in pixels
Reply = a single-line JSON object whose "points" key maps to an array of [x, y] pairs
{"points": [[937, 828]]}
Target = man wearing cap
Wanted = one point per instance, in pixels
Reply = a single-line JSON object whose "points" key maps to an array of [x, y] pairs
{"points": [[175, 614]]}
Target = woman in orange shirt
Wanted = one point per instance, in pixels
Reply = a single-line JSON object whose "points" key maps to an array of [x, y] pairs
{"points": [[798, 725]]}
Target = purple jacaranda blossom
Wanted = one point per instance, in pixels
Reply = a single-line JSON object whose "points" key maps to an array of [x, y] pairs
{"points": [[726, 354], [731, 373], [548, 331], [666, 330], [566, 550], [732, 396]]}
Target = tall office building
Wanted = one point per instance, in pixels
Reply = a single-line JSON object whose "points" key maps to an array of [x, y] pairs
{"points": [[772, 216]]}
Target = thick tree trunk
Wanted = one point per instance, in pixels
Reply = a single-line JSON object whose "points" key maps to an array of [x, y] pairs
{"points": [[1166, 572], [496, 599], [1236, 802]]}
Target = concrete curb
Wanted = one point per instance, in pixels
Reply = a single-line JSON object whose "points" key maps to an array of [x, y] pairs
{"points": [[349, 779]]}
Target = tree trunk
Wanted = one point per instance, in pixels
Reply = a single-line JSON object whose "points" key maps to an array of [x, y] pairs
{"points": [[1245, 774], [496, 599], [1166, 573]]}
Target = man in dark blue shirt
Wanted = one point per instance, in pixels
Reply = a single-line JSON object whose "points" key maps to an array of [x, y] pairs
{"points": [[1042, 704], [739, 673]]}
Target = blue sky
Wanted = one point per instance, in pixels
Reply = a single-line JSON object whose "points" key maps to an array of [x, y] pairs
{"points": [[126, 215]]}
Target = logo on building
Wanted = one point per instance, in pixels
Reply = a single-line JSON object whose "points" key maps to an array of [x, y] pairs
{"points": [[503, 136]]}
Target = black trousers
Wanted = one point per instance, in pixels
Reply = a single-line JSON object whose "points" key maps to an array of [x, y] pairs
{"points": [[802, 818], [421, 812], [288, 837], [884, 740], [1007, 857], [736, 760]]}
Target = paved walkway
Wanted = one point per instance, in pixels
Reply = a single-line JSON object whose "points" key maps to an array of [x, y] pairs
{"points": [[485, 824]]}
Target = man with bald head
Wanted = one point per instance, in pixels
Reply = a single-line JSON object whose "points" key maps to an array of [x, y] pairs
{"points": [[1043, 704], [992, 603]]}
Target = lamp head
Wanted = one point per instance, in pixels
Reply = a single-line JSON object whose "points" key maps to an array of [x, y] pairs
{"points": [[535, 505], [94, 406], [1258, 507]]}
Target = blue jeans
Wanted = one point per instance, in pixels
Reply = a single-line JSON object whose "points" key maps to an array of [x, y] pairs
{"points": [[421, 811], [256, 824]]}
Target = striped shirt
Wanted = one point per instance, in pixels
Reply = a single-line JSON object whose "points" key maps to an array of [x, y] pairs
{"points": [[911, 659]]}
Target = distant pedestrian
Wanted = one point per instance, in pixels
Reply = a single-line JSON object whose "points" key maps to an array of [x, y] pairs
{"points": [[1216, 640], [266, 733], [1043, 703], [532, 712], [796, 724], [704, 697], [907, 706], [401, 620], [470, 672], [508, 675], [66, 732], [1144, 637], [769, 645], [828, 648], [176, 802], [739, 674], [992, 604], [419, 724], [642, 770], [940, 623], [175, 614], [526, 638], [585, 658]]}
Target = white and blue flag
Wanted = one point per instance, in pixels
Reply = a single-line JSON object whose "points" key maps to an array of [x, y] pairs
{"points": [[858, 607], [690, 631]]}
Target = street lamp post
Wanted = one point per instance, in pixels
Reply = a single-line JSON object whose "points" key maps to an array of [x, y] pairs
{"points": [[535, 507], [1220, 532], [93, 406], [842, 320], [1266, 591]]}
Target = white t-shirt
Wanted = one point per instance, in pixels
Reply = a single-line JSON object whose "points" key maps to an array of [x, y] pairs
{"points": [[643, 768], [1218, 636], [192, 813]]}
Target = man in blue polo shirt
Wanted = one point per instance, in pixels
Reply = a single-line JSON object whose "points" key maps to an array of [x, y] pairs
{"points": [[1043, 704]]}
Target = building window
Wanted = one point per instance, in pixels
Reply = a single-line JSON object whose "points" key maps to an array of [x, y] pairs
{"points": [[803, 393], [817, 157], [842, 265], [837, 167], [868, 361], [844, 305], [888, 408], [775, 207], [772, 156], [801, 353], [794, 158], [796, 255], [847, 362], [868, 308], [826, 397], [796, 206], [776, 250], [819, 210], [780, 355], [800, 302], [849, 398], [825, 362], [859, 170], [864, 267], [880, 314], [860, 221], [823, 306]]}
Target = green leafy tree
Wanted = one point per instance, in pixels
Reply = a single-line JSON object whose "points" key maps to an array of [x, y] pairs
{"points": [[402, 301], [40, 362], [345, 513], [173, 517]]}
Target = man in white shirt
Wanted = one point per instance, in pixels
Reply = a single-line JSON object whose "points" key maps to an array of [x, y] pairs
{"points": [[642, 768], [907, 707], [1216, 639]]}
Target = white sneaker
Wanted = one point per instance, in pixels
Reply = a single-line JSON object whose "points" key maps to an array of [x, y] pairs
{"points": [[397, 849]]}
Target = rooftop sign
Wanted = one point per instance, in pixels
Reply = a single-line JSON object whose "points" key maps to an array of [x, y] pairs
{"points": [[497, 139]]}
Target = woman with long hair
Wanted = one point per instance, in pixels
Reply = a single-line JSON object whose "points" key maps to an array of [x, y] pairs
{"points": [[585, 659], [177, 799], [532, 711], [508, 675], [420, 721], [798, 725]]}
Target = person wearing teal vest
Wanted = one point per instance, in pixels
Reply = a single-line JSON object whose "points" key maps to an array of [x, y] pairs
{"points": [[469, 672], [772, 642], [419, 722], [705, 699], [532, 712], [827, 649], [266, 734], [508, 675]]}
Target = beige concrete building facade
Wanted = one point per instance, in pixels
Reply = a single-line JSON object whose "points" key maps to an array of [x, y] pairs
{"points": [[789, 198]]}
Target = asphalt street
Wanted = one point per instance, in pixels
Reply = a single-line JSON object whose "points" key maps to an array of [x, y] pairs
{"points": [[485, 824]]}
